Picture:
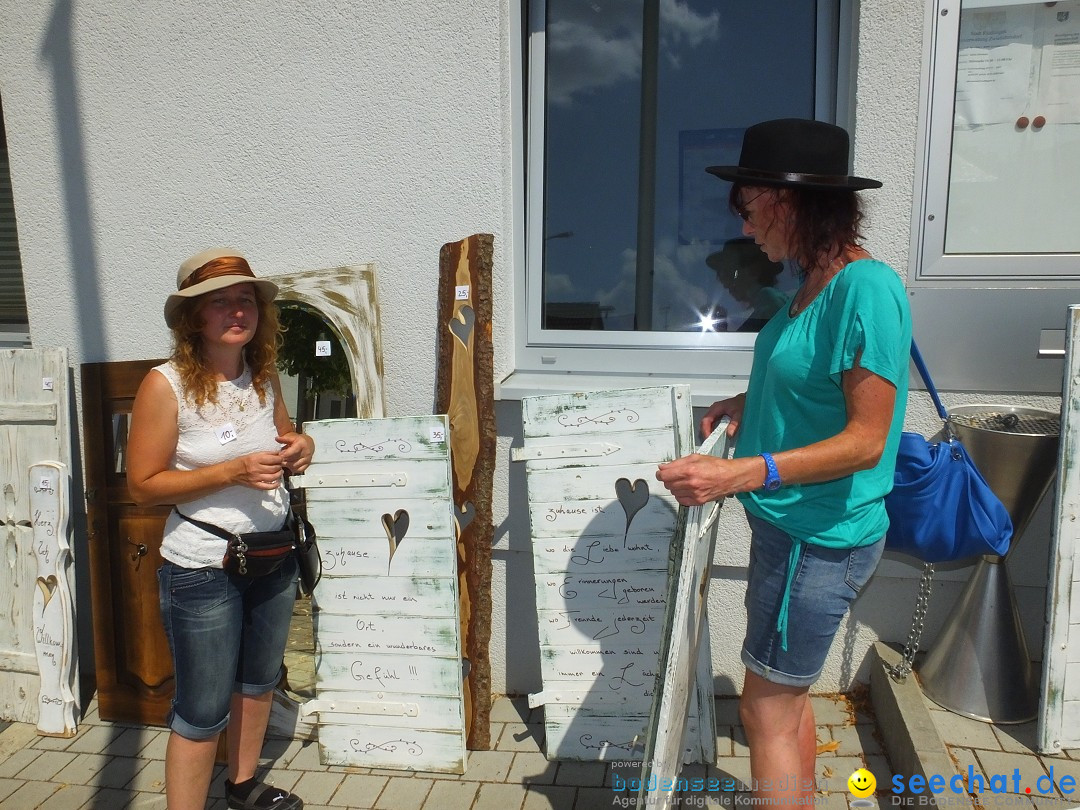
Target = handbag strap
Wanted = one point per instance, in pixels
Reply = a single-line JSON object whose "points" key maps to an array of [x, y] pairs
{"points": [[920, 364]]}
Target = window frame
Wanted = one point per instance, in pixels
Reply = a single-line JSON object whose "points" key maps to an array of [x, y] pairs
{"points": [[542, 354]]}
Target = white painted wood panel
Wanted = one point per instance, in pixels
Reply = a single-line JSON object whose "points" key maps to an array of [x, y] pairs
{"points": [[602, 527], [53, 615], [388, 669], [34, 428], [685, 629], [1059, 720]]}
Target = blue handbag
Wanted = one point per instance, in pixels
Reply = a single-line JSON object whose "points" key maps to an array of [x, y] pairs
{"points": [[940, 507]]}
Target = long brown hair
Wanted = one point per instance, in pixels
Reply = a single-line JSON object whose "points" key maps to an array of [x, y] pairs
{"points": [[260, 353], [826, 221]]}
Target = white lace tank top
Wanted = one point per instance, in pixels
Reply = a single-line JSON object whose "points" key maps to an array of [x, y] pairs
{"points": [[235, 508]]}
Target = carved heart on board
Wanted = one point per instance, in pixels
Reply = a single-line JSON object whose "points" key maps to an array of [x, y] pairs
{"points": [[396, 528], [632, 497], [464, 515], [47, 585], [462, 325]]}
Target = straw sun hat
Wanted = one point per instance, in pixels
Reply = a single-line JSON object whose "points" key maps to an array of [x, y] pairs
{"points": [[212, 270]]}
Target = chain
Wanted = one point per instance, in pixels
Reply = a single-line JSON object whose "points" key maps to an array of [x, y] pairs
{"points": [[900, 672]]}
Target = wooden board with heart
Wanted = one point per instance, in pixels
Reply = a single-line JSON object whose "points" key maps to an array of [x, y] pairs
{"points": [[54, 619], [602, 527], [386, 610]]}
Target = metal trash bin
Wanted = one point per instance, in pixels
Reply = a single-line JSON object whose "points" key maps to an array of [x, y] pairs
{"points": [[979, 666]]}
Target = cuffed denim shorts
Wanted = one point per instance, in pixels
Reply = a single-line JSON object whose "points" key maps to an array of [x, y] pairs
{"points": [[227, 634], [825, 582]]}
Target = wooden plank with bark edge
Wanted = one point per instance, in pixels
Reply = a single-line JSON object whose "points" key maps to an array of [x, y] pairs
{"points": [[465, 390]]}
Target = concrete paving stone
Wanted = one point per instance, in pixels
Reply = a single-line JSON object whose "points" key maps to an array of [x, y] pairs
{"points": [[878, 765], [963, 758], [834, 771], [1048, 803], [1065, 767], [510, 710], [549, 797], [830, 801], [69, 797], [589, 798], [963, 731], [30, 794], [131, 741], [90, 716], [392, 772], [854, 740], [1020, 738], [95, 739], [45, 743], [532, 768], [17, 762], [357, 790], [48, 763], [737, 768], [831, 710], [499, 797], [147, 801], [521, 737], [156, 745], [307, 758], [581, 774], [724, 742], [16, 737], [740, 747], [404, 794], [317, 787], [291, 749], [495, 731], [446, 795], [9, 786], [108, 798], [488, 766], [1005, 801], [1000, 764], [88, 769], [727, 712], [151, 778]]}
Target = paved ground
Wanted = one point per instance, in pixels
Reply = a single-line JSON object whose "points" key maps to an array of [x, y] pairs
{"points": [[107, 766]]}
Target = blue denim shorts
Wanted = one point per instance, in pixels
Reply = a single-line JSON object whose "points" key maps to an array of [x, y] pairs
{"points": [[227, 634], [825, 582]]}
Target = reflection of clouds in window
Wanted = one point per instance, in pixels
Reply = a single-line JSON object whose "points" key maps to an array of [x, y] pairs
{"points": [[679, 297], [598, 44]]}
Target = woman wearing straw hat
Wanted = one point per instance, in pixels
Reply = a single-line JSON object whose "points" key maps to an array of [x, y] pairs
{"points": [[816, 433], [210, 434]]}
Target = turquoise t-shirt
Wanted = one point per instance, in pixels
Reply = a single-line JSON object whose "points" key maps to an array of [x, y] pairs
{"points": [[794, 398]]}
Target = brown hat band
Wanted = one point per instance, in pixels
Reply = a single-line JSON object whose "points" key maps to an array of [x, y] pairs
{"points": [[223, 266]]}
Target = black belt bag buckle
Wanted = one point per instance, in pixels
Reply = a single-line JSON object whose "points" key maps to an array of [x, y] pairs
{"points": [[252, 554]]}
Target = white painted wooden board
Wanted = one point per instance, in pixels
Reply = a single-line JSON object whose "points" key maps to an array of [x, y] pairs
{"points": [[602, 527], [1059, 703], [685, 627], [54, 616], [34, 428], [388, 670]]}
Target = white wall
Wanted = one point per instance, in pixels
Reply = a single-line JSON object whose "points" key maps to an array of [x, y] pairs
{"points": [[341, 133]]}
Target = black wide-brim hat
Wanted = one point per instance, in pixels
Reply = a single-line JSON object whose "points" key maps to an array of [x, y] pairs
{"points": [[794, 152]]}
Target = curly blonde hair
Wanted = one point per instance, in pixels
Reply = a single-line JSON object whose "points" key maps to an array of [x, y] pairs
{"points": [[198, 381]]}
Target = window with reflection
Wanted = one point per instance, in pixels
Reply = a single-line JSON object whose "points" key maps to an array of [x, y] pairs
{"points": [[627, 231]]}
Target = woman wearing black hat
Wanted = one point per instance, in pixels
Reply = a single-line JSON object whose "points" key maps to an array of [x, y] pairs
{"points": [[817, 432], [210, 433]]}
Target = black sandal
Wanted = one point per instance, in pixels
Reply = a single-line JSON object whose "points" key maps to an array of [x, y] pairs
{"points": [[262, 797]]}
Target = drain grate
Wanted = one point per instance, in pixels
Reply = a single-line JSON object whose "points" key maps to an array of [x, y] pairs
{"points": [[1008, 422]]}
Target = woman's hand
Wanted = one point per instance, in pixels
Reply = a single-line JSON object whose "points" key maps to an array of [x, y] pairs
{"points": [[258, 470], [731, 408], [696, 479], [298, 448]]}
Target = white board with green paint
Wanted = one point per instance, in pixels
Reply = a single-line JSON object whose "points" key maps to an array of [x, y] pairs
{"points": [[388, 669], [601, 533]]}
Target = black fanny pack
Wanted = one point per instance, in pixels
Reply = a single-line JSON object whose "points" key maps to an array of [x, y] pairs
{"points": [[251, 554]]}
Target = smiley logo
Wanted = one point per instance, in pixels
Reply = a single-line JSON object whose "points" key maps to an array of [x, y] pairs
{"points": [[862, 783]]}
